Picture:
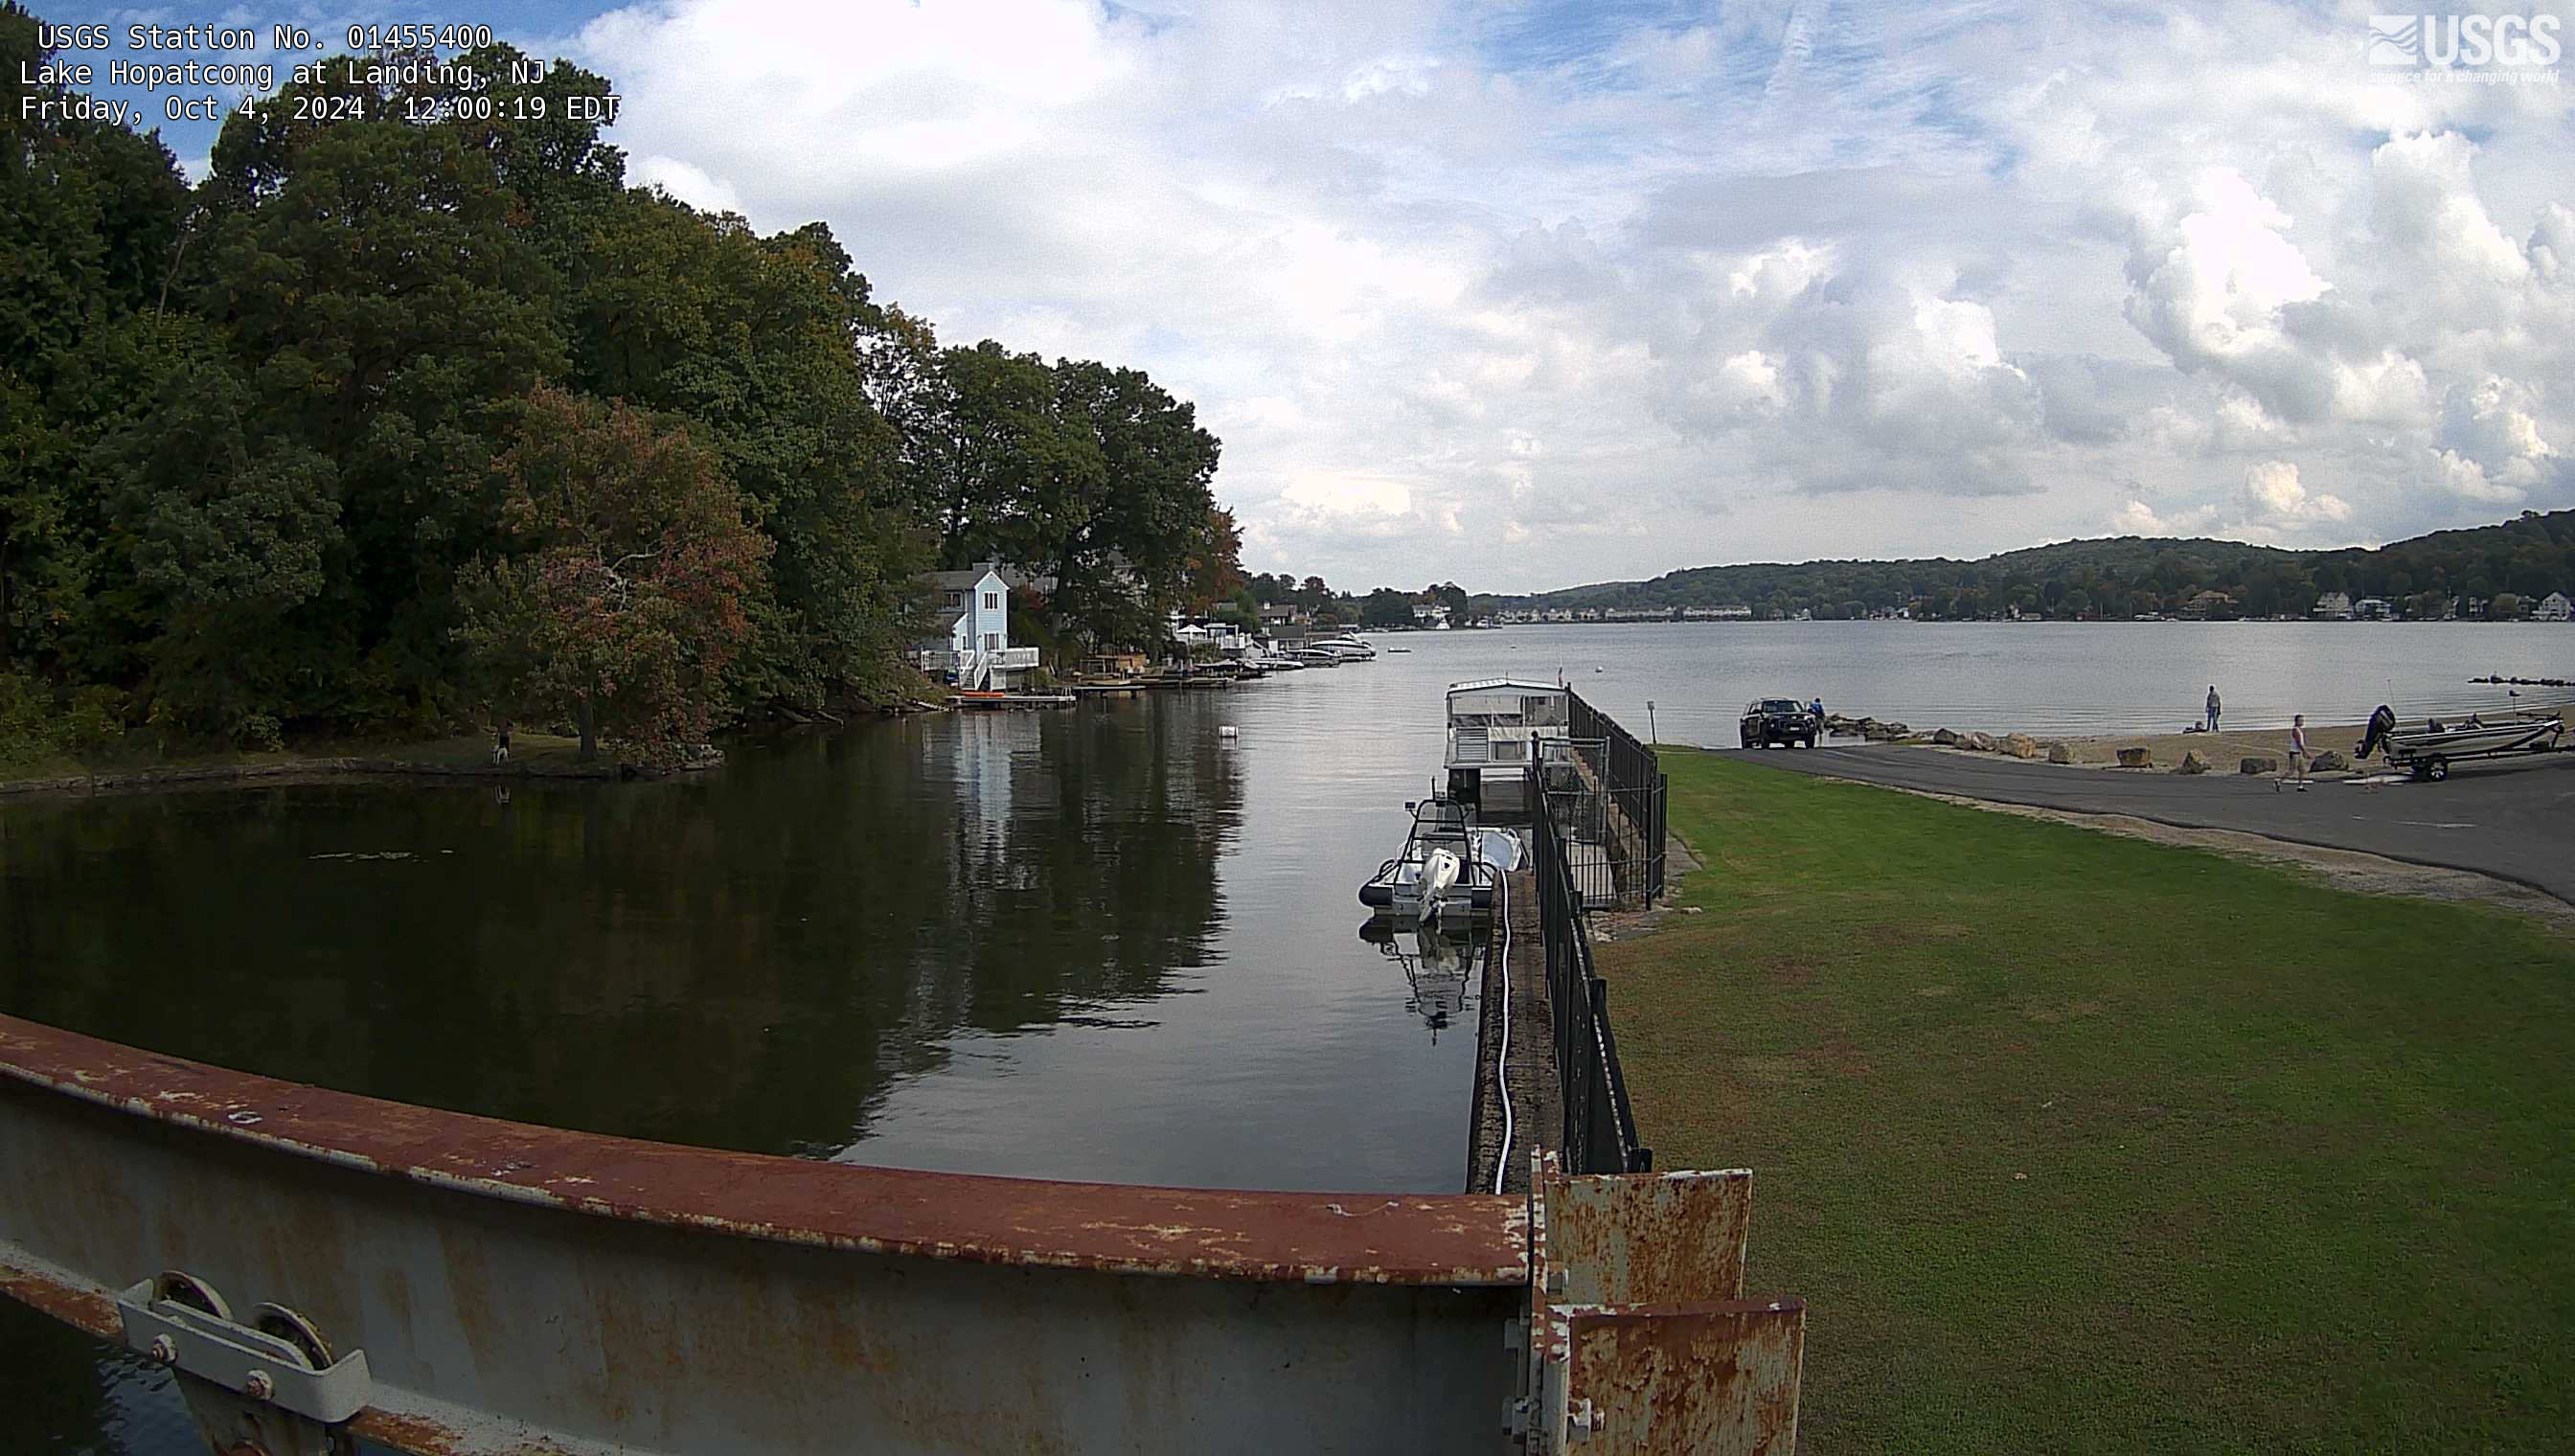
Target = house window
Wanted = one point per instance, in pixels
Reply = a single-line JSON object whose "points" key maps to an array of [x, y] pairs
{"points": [[992, 601], [991, 642], [955, 598]]}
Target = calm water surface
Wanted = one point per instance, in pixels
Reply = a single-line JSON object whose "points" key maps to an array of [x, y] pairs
{"points": [[1103, 942]]}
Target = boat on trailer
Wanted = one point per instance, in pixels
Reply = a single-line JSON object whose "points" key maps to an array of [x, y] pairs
{"points": [[1448, 867], [2428, 751]]}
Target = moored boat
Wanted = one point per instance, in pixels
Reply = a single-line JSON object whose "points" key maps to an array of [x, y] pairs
{"points": [[1448, 866]]}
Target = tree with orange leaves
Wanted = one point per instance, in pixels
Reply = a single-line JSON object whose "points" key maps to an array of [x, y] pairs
{"points": [[621, 600]]}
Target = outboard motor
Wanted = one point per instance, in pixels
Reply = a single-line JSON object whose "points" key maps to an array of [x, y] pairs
{"points": [[2381, 725]]}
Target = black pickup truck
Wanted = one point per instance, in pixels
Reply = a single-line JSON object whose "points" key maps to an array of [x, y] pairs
{"points": [[1779, 721]]}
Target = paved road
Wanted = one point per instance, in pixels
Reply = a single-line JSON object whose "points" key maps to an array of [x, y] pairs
{"points": [[2513, 819]]}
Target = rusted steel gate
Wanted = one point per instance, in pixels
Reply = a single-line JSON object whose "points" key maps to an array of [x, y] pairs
{"points": [[318, 1264]]}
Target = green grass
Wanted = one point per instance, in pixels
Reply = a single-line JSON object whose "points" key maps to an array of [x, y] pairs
{"points": [[536, 752], [2075, 1142]]}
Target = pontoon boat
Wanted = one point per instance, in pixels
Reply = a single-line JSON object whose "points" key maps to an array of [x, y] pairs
{"points": [[1501, 723]]}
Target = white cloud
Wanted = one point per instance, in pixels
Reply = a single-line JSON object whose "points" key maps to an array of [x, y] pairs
{"points": [[2137, 518], [1565, 292], [2278, 499]]}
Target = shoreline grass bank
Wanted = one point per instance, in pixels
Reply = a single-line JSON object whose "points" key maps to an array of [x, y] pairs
{"points": [[531, 755], [2080, 1142]]}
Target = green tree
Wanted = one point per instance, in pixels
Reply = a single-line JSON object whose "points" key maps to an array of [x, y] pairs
{"points": [[620, 602], [88, 212], [753, 340], [1387, 607], [386, 314]]}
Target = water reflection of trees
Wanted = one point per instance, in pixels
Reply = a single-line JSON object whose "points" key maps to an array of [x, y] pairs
{"points": [[749, 959]]}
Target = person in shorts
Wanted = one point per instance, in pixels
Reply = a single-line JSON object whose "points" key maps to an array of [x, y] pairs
{"points": [[2298, 756]]}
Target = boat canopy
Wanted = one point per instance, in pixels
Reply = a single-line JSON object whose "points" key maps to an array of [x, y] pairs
{"points": [[1496, 720]]}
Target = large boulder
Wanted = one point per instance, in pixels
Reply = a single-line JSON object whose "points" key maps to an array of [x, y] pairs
{"points": [[1896, 730], [2330, 762], [1945, 737], [2059, 754], [2136, 757], [2020, 745], [1981, 742], [2259, 763], [2191, 762]]}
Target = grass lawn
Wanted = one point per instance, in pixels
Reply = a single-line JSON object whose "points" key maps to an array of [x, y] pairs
{"points": [[539, 752], [2074, 1142]]}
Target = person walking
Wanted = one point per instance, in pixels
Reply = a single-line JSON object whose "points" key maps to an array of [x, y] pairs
{"points": [[2297, 752], [2212, 708]]}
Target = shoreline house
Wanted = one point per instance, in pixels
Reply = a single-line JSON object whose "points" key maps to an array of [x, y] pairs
{"points": [[2208, 605], [975, 654], [2332, 607], [2554, 608]]}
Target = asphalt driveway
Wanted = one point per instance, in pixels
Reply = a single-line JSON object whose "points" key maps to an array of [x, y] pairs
{"points": [[2513, 819]]}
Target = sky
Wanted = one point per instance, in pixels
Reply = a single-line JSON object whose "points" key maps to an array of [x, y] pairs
{"points": [[1528, 294]]}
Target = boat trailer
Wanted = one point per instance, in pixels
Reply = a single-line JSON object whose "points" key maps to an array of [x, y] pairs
{"points": [[315, 1267], [2428, 751]]}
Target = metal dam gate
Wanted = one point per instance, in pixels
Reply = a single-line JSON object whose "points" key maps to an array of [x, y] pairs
{"points": [[317, 1265]]}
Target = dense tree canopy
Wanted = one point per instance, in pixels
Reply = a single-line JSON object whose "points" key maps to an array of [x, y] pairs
{"points": [[264, 441]]}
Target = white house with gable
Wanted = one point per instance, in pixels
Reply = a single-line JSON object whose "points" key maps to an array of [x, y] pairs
{"points": [[977, 653], [2554, 608]]}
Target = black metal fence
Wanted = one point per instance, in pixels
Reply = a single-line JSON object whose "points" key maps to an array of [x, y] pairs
{"points": [[1611, 807], [1599, 1130]]}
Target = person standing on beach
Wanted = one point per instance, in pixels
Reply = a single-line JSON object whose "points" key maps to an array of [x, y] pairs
{"points": [[2297, 752], [2212, 708]]}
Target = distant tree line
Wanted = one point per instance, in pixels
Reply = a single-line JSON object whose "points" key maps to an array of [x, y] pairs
{"points": [[2491, 570], [396, 426], [1384, 606]]}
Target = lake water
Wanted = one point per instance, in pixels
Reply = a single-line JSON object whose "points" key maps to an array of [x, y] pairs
{"points": [[1101, 943]]}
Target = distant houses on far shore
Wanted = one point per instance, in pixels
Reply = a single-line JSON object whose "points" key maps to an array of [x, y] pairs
{"points": [[1530, 615], [2205, 606]]}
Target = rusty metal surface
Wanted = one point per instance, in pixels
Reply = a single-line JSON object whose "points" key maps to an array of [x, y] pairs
{"points": [[1638, 1337], [1673, 1238], [59, 1294], [1447, 1240], [1720, 1378], [522, 1289]]}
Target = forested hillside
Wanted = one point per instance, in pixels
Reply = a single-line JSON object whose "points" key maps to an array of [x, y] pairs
{"points": [[404, 426], [2491, 569]]}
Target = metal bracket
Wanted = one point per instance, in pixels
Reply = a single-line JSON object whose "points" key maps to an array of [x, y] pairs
{"points": [[270, 1386], [1639, 1337]]}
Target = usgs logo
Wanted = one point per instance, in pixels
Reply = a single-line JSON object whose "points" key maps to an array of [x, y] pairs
{"points": [[2446, 42]]}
